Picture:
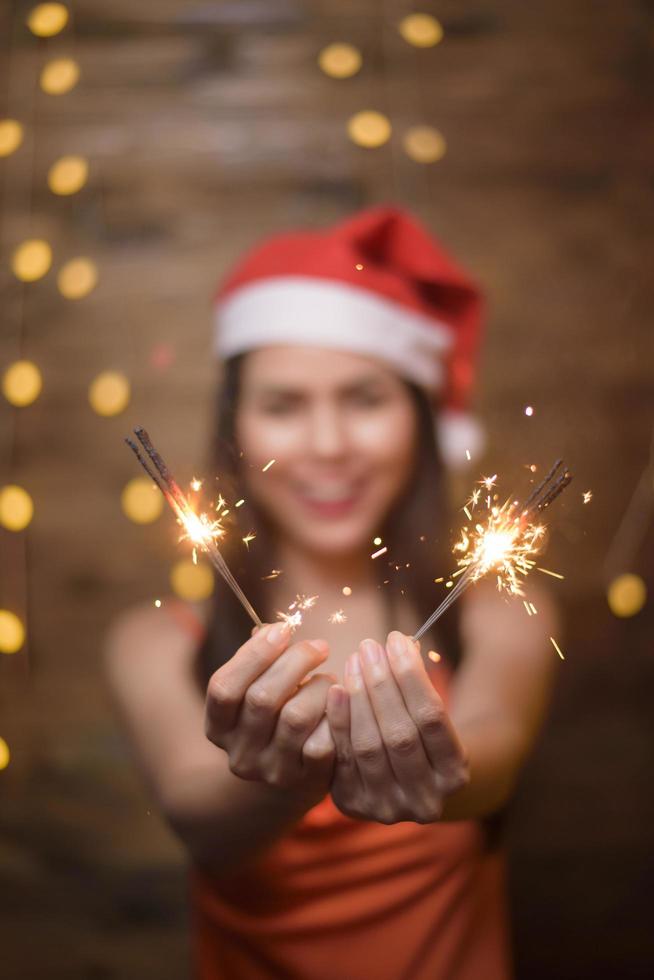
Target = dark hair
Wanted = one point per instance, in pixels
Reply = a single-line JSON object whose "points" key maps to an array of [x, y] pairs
{"points": [[416, 533]]}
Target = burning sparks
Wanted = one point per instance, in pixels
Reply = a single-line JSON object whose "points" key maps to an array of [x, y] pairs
{"points": [[294, 615], [250, 536], [504, 542], [557, 647], [347, 590], [239, 503], [338, 617], [267, 466], [196, 484], [587, 496], [381, 551], [529, 410], [157, 603], [377, 541], [273, 574], [434, 657]]}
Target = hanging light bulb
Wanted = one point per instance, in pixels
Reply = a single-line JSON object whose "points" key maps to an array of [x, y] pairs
{"points": [[68, 175], [47, 19], [340, 60], [11, 136], [141, 500], [12, 632], [22, 383], [77, 278], [31, 260], [369, 128], [421, 30], [190, 581], [59, 76], [109, 393], [16, 507], [424, 144]]}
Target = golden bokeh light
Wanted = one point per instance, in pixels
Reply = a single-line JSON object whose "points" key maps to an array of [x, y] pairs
{"points": [[141, 500], [22, 383], [109, 393], [369, 128], [68, 175], [16, 507], [424, 144], [190, 581], [626, 595], [12, 632], [11, 136], [340, 60], [77, 278], [59, 76], [420, 30], [4, 754], [47, 19], [31, 260]]}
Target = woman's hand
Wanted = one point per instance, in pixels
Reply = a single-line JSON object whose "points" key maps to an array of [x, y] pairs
{"points": [[267, 718], [397, 756]]}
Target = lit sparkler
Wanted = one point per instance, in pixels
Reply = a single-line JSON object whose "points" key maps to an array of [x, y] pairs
{"points": [[504, 543], [338, 617], [294, 615], [200, 529]]}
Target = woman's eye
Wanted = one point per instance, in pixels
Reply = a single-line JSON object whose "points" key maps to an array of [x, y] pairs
{"points": [[277, 408], [367, 399]]}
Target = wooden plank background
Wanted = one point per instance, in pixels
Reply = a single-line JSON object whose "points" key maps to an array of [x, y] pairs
{"points": [[208, 125]]}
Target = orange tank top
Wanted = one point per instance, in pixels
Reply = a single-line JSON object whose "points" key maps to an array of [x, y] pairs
{"points": [[343, 899]]}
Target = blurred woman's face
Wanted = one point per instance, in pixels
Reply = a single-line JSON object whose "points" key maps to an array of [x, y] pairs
{"points": [[342, 431]]}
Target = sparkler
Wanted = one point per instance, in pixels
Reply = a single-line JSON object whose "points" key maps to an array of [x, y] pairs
{"points": [[201, 530], [505, 543]]}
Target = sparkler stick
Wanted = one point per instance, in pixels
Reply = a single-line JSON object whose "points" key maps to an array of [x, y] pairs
{"points": [[200, 530], [505, 544]]}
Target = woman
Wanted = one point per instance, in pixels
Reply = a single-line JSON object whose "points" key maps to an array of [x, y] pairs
{"points": [[340, 809]]}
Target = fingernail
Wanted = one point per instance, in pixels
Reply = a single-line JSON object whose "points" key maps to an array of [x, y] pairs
{"points": [[353, 665], [277, 632], [371, 652], [322, 646], [397, 645], [337, 695]]}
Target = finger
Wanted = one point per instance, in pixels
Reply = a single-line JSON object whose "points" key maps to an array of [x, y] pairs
{"points": [[318, 752], [298, 718], [423, 703], [268, 693], [367, 743], [398, 730], [227, 686]]}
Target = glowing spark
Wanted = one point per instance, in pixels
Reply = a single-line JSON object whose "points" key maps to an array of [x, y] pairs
{"points": [[548, 572], [526, 605], [196, 484], [529, 410], [239, 503], [467, 454], [587, 496], [293, 619], [435, 657], [338, 617], [303, 602], [273, 574], [449, 584], [267, 466], [157, 603], [377, 541], [250, 536], [381, 551], [441, 579], [347, 590], [358, 266], [533, 609], [488, 482], [557, 647], [220, 503], [225, 512]]}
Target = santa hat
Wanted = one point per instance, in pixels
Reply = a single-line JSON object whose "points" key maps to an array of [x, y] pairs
{"points": [[376, 283]]}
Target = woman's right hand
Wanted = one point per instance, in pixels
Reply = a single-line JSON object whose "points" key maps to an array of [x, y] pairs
{"points": [[268, 719]]}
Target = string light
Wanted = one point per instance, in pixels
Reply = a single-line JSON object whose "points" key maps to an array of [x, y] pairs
{"points": [[11, 136], [369, 128], [424, 144], [626, 595], [16, 507], [59, 76], [141, 501], [12, 632], [4, 754], [190, 581], [68, 175], [47, 19], [77, 278], [340, 60], [421, 30], [22, 383], [109, 393], [31, 260]]}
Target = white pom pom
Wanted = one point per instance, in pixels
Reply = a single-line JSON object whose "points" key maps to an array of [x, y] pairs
{"points": [[460, 438]]}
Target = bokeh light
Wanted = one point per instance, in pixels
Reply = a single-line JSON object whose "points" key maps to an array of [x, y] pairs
{"points": [[12, 632], [31, 260], [4, 754], [141, 500], [11, 136], [77, 278], [47, 19], [68, 175], [190, 581], [340, 60], [369, 128], [16, 507], [424, 144], [59, 76], [626, 595], [421, 30], [109, 393], [22, 383]]}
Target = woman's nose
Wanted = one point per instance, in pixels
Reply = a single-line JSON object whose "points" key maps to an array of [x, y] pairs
{"points": [[327, 433]]}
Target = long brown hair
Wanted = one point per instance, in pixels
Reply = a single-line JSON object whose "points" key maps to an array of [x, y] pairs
{"points": [[416, 532]]}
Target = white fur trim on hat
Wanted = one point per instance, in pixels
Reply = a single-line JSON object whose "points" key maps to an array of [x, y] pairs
{"points": [[460, 438], [330, 313]]}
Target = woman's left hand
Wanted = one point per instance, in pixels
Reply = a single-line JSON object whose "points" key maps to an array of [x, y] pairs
{"points": [[397, 755]]}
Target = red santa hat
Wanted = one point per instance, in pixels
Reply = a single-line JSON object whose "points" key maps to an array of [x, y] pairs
{"points": [[376, 283]]}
